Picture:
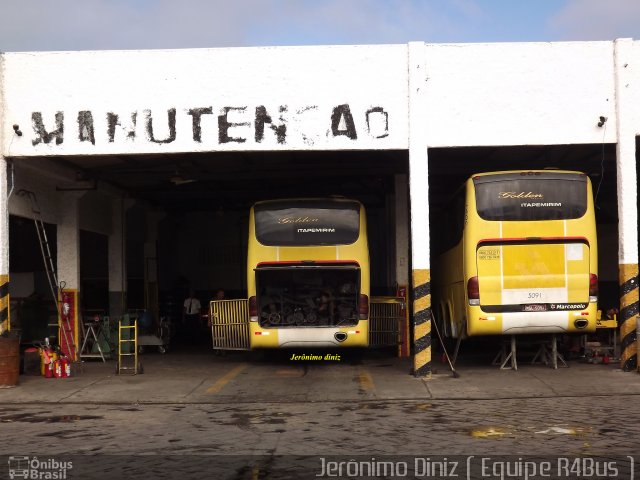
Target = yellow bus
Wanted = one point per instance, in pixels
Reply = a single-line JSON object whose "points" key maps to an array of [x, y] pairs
{"points": [[516, 253], [308, 274]]}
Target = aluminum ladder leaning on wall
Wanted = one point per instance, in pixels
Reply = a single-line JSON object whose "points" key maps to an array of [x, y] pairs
{"points": [[52, 276]]}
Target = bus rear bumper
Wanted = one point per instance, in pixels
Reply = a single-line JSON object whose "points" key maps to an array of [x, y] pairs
{"points": [[518, 323], [314, 337]]}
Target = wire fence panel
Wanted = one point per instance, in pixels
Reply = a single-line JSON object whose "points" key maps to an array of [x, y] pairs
{"points": [[385, 319], [230, 324]]}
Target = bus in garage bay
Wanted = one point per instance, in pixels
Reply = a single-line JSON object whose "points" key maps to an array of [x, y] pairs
{"points": [[516, 253], [307, 278]]}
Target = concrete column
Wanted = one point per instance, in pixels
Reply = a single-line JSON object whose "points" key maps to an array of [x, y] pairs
{"points": [[4, 247], [626, 106], [401, 215], [68, 269], [5, 321], [68, 241], [117, 261], [150, 261], [419, 194], [402, 229], [153, 220]]}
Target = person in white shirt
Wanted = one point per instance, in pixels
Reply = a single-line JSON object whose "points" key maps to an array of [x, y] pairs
{"points": [[191, 316]]}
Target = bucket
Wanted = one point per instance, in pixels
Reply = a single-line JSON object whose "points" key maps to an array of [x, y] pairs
{"points": [[9, 361], [31, 361]]}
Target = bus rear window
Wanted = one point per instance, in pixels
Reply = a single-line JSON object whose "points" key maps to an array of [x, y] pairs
{"points": [[307, 222], [531, 196]]}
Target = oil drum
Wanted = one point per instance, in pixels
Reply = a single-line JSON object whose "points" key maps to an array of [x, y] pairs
{"points": [[9, 361]]}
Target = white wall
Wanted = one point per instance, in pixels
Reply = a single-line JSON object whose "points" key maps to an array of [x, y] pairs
{"points": [[453, 95], [301, 88], [476, 94], [42, 178], [4, 204], [631, 65], [519, 93], [627, 76], [28, 177], [70, 211]]}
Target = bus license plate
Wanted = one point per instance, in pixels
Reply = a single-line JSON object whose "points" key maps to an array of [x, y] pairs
{"points": [[535, 308]]}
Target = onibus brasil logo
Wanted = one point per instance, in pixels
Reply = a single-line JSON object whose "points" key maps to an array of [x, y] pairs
{"points": [[36, 469]]}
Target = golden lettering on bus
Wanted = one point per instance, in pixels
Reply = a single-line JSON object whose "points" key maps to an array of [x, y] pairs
{"points": [[520, 195], [290, 220]]}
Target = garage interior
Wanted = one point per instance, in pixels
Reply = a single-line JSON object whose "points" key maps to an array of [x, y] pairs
{"points": [[201, 201], [450, 167]]}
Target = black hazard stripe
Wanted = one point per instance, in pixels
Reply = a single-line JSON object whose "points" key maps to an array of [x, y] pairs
{"points": [[422, 316], [423, 343], [628, 286], [629, 311], [628, 340], [4, 292], [422, 290]]}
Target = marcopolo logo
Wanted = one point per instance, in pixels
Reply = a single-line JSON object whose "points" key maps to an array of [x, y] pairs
{"points": [[37, 469]]}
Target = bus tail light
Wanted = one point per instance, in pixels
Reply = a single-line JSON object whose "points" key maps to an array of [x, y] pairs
{"points": [[363, 307], [593, 288], [473, 291], [253, 309]]}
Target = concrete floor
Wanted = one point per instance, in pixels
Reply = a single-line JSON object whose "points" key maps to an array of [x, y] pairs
{"points": [[244, 416], [196, 375]]}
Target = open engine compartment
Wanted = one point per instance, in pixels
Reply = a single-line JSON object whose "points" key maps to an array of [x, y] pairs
{"points": [[299, 295]]}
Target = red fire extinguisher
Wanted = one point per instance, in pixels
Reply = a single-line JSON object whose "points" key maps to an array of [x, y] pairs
{"points": [[65, 367], [57, 369], [62, 367]]}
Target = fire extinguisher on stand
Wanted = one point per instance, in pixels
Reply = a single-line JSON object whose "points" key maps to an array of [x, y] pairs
{"points": [[48, 358]]}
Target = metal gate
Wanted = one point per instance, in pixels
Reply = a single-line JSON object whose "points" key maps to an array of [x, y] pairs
{"points": [[386, 316], [230, 324]]}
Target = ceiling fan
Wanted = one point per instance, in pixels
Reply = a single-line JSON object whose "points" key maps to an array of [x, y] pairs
{"points": [[179, 179]]}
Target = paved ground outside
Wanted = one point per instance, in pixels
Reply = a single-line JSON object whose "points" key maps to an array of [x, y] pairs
{"points": [[242, 416]]}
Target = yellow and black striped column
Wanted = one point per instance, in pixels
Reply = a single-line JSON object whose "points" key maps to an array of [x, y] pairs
{"points": [[422, 323], [628, 274], [4, 303]]}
